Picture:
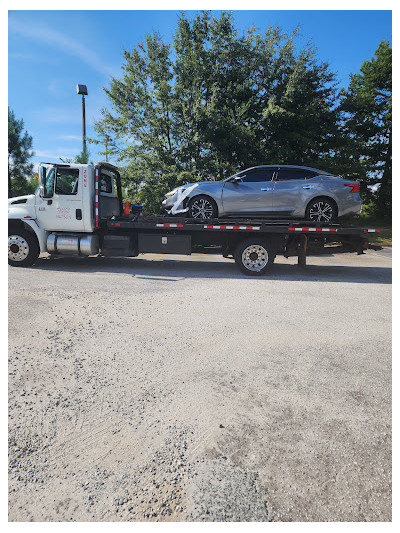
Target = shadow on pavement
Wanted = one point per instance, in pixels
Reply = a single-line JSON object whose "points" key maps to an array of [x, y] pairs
{"points": [[168, 269]]}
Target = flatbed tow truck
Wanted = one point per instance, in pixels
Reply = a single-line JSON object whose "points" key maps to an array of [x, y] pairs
{"points": [[78, 210]]}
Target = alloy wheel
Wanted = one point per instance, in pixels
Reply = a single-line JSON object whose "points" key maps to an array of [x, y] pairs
{"points": [[321, 212], [202, 208]]}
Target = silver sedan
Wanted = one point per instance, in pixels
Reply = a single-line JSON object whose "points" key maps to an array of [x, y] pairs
{"points": [[268, 191]]}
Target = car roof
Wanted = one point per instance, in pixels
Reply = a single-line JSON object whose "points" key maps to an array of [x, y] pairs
{"points": [[292, 166]]}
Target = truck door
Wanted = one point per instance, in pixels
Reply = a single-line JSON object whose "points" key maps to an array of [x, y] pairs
{"points": [[62, 209]]}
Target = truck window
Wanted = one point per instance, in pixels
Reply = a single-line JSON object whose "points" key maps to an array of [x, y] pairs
{"points": [[67, 181], [106, 183], [49, 188]]}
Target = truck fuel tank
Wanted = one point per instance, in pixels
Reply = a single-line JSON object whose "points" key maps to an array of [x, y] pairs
{"points": [[73, 244]]}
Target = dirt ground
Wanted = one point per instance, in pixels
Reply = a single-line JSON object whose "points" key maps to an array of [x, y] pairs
{"points": [[181, 390]]}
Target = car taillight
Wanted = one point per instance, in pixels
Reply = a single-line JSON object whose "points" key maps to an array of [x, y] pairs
{"points": [[355, 187]]}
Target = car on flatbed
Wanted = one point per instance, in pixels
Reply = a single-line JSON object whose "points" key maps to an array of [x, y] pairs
{"points": [[273, 191], [78, 210]]}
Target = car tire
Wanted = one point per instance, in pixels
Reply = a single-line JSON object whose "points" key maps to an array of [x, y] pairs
{"points": [[321, 210], [254, 256], [23, 248], [202, 208]]}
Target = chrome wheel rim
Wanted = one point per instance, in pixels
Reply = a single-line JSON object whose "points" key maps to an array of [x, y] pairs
{"points": [[18, 248], [321, 212], [255, 257], [201, 208]]}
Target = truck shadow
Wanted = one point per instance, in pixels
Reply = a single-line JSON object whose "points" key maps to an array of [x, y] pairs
{"points": [[161, 269]]}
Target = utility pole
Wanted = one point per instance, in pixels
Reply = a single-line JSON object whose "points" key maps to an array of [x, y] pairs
{"points": [[82, 89]]}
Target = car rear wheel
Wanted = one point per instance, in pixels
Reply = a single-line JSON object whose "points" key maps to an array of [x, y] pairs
{"points": [[202, 207], [254, 256], [321, 210]]}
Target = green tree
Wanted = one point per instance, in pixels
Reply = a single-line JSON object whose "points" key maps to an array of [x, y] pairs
{"points": [[19, 153], [104, 139], [367, 127], [215, 102], [82, 158]]}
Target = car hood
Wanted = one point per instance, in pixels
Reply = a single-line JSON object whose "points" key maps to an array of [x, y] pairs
{"points": [[209, 186], [203, 184]]}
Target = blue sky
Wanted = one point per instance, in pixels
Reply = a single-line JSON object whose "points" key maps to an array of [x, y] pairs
{"points": [[51, 51]]}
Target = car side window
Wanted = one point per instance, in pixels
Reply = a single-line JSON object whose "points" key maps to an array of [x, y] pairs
{"points": [[67, 181], [256, 175], [285, 174]]}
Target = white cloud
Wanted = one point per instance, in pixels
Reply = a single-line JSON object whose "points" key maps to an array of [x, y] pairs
{"points": [[56, 154], [54, 38], [70, 137]]}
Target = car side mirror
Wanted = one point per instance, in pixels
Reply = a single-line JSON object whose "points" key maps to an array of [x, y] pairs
{"points": [[237, 179], [42, 181]]}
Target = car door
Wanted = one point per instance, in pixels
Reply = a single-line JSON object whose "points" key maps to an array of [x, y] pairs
{"points": [[291, 189], [251, 194], [62, 209]]}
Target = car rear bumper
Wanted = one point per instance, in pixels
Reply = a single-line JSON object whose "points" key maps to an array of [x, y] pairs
{"points": [[354, 209]]}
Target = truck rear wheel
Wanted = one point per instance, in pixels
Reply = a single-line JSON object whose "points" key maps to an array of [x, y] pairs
{"points": [[23, 248], [254, 256]]}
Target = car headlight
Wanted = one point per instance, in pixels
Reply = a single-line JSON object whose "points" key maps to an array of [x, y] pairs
{"points": [[171, 193], [176, 190]]}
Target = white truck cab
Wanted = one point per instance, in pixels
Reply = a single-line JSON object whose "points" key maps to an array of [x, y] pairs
{"points": [[63, 214]]}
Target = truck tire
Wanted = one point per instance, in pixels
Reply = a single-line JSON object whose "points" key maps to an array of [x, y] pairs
{"points": [[254, 256], [23, 248]]}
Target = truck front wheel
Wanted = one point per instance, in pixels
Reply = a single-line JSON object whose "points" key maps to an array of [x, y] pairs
{"points": [[23, 248], [254, 256]]}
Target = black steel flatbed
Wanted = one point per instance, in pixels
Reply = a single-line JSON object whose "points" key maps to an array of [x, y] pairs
{"points": [[232, 224], [252, 242]]}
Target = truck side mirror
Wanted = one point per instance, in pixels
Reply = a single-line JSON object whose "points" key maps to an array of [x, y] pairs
{"points": [[42, 181]]}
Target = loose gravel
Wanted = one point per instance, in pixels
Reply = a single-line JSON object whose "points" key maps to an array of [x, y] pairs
{"points": [[169, 390]]}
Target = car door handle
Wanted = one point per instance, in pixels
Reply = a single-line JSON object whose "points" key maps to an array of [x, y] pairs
{"points": [[308, 186], [267, 189]]}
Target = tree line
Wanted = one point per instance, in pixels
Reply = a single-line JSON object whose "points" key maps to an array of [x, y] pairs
{"points": [[214, 101]]}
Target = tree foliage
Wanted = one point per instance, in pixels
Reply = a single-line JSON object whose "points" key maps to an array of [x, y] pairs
{"points": [[215, 101], [367, 125], [19, 154]]}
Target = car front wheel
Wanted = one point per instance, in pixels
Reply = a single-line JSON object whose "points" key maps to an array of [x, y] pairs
{"points": [[202, 207]]}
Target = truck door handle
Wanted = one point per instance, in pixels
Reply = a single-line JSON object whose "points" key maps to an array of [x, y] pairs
{"points": [[78, 214], [267, 189]]}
